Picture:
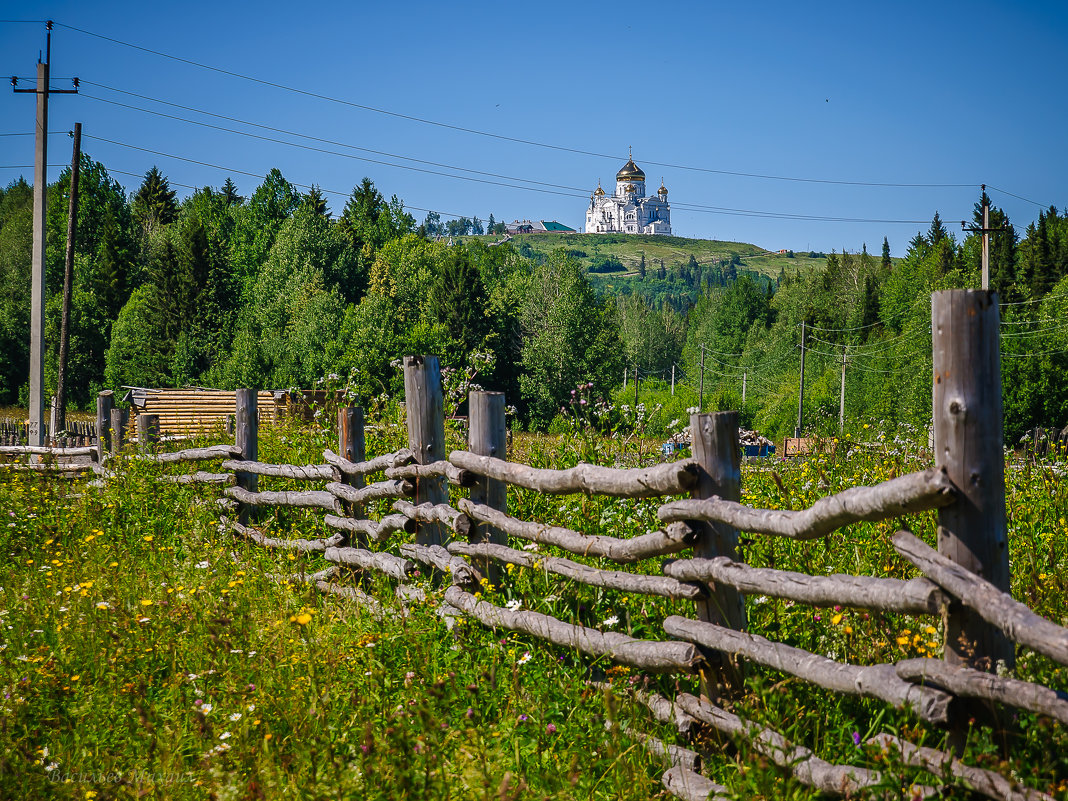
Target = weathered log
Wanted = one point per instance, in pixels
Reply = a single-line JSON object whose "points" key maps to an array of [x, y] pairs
{"points": [[414, 472], [226, 504], [190, 455], [379, 463], [688, 785], [372, 492], [320, 580], [41, 450], [387, 563], [677, 537], [609, 579], [915, 596], [310, 472], [1018, 622], [302, 545], [436, 556], [670, 478], [872, 681], [673, 755], [376, 530], [201, 477], [48, 467], [837, 780], [970, 683], [946, 766], [435, 513], [910, 493], [663, 710], [309, 499], [654, 656]]}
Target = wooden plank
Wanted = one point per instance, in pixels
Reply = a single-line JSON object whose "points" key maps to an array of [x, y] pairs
{"points": [[424, 408], [384, 462], [487, 435], [309, 499]]}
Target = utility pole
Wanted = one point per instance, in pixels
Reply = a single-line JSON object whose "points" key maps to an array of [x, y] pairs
{"points": [[701, 396], [801, 389], [68, 276], [672, 380], [40, 220], [841, 399], [625, 379], [745, 375], [986, 231], [635, 387]]}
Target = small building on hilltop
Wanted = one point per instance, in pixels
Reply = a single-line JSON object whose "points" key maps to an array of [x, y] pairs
{"points": [[629, 211], [538, 227]]}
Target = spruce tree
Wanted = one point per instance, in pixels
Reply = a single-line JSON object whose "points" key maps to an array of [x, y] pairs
{"points": [[154, 204], [887, 264]]}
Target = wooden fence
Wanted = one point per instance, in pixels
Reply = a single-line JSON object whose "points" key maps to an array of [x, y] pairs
{"points": [[466, 537]]}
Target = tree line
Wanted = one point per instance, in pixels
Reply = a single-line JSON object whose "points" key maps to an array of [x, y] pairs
{"points": [[274, 291]]}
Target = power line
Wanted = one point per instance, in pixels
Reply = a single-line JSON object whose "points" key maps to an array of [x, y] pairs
{"points": [[502, 137], [1018, 197]]}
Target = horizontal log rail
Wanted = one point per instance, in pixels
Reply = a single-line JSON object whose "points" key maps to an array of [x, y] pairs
{"points": [[947, 767], [915, 492], [301, 545], [651, 655], [308, 499], [997, 608], [916, 596], [871, 681], [386, 563], [44, 450], [190, 455], [687, 784], [677, 537], [376, 465], [435, 513], [455, 475], [584, 574], [48, 467], [969, 683], [436, 556], [375, 529], [670, 478], [310, 472], [807, 768], [201, 477], [372, 492]]}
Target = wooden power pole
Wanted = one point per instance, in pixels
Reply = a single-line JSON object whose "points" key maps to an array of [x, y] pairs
{"points": [[40, 220], [68, 277], [801, 389]]}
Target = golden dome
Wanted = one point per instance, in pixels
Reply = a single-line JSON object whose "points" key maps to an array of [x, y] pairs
{"points": [[599, 191], [663, 189], [630, 172]]}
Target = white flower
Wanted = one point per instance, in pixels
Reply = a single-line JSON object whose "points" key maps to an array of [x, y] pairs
{"points": [[611, 621], [206, 708], [251, 707], [514, 604], [235, 717], [224, 736], [202, 565], [103, 605], [524, 658], [192, 676], [51, 766]]}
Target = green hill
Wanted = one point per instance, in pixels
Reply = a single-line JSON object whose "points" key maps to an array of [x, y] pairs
{"points": [[594, 250]]}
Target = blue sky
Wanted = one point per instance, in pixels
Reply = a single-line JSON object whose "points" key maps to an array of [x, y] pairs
{"points": [[908, 93]]}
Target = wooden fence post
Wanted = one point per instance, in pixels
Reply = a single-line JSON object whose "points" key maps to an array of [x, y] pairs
{"points": [[487, 435], [968, 438], [246, 438], [147, 432], [351, 446], [717, 449], [425, 410], [118, 430]]}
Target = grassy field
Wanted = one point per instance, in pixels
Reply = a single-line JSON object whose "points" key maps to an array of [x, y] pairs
{"points": [[675, 251], [145, 655]]}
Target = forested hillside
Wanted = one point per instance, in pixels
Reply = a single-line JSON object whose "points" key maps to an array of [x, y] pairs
{"points": [[276, 291]]}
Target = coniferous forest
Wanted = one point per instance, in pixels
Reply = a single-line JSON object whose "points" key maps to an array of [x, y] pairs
{"points": [[277, 290]]}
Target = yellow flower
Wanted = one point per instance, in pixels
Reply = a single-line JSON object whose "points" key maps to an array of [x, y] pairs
{"points": [[847, 629], [836, 619], [148, 538], [931, 630], [303, 619], [902, 640], [75, 678], [146, 602]]}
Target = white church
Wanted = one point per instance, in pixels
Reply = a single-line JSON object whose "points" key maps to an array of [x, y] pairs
{"points": [[629, 211]]}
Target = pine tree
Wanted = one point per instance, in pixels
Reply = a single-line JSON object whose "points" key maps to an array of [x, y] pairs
{"points": [[641, 267], [316, 201], [938, 231], [887, 263], [230, 195], [154, 204]]}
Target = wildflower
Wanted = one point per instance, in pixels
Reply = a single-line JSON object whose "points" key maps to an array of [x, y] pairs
{"points": [[524, 658], [224, 736], [202, 565], [514, 604], [856, 739], [236, 716], [302, 619], [611, 621], [836, 619], [146, 602], [522, 719], [550, 729]]}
